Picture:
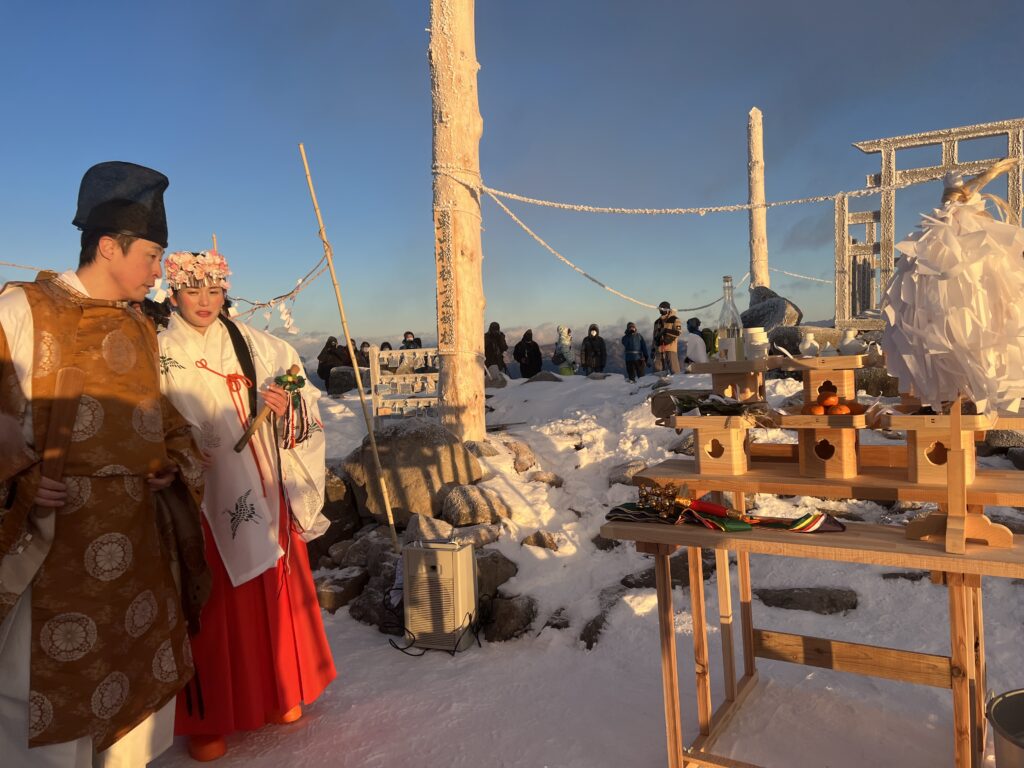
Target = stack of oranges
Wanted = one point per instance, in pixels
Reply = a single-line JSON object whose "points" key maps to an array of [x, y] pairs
{"points": [[828, 405]]}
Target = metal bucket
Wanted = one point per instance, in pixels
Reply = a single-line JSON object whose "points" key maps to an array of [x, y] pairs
{"points": [[1006, 713]]}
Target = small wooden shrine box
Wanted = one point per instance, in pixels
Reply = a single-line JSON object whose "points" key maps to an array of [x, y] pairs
{"points": [[828, 452], [719, 443]]}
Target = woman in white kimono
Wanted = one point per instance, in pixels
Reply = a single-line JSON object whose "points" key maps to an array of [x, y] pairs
{"points": [[261, 651]]}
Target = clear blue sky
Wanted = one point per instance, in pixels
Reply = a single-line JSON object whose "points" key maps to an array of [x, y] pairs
{"points": [[610, 103]]}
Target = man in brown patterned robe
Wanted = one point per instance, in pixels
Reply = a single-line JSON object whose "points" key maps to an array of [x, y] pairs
{"points": [[93, 636]]}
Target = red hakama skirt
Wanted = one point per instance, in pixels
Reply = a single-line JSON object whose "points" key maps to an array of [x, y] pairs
{"points": [[261, 648]]}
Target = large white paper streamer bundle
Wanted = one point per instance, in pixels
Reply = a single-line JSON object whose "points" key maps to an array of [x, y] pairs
{"points": [[954, 309]]}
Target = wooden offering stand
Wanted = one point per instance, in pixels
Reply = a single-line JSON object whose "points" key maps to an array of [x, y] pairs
{"points": [[936, 465], [940, 450], [742, 380]]}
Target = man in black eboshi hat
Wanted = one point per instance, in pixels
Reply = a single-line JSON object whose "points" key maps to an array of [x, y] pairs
{"points": [[94, 647]]}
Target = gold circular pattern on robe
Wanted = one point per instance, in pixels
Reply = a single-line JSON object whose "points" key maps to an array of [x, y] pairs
{"points": [[165, 668], [88, 419], [193, 473], [119, 352], [108, 556], [110, 695], [140, 614], [79, 491], [40, 714], [147, 421], [68, 636], [47, 358], [134, 486]]}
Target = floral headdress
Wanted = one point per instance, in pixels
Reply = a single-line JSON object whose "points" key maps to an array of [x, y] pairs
{"points": [[187, 269]]}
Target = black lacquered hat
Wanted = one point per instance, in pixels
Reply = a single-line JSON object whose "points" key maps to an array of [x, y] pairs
{"points": [[125, 198]]}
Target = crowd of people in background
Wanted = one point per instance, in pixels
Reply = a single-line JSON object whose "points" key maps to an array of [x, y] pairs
{"points": [[589, 356], [335, 355]]}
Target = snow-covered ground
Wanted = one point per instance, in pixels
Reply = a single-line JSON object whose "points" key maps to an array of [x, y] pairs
{"points": [[543, 700]]}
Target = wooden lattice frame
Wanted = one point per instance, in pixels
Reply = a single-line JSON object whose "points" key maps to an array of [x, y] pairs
{"points": [[856, 286], [403, 394]]}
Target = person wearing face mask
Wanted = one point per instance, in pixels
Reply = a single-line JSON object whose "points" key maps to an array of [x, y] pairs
{"points": [[636, 353], [363, 355], [527, 354], [409, 341], [564, 355], [667, 330], [593, 353], [331, 356]]}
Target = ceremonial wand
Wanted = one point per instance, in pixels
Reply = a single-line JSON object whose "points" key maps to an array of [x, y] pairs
{"points": [[329, 255], [291, 382]]}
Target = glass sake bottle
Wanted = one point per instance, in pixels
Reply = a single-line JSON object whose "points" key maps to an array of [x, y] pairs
{"points": [[730, 326]]}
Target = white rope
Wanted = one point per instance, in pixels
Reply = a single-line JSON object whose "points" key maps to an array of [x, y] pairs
{"points": [[802, 277], [587, 275], [699, 210], [562, 258]]}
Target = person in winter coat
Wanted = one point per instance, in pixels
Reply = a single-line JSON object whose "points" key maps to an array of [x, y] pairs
{"points": [[495, 347], [708, 335], [331, 356], [409, 341], [593, 353], [667, 330], [564, 356], [636, 353], [696, 351], [527, 354], [363, 355]]}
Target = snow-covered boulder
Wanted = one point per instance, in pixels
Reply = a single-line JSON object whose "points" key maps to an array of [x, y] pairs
{"points": [[823, 600], [510, 617], [341, 587], [524, 458], [478, 535], [541, 539], [472, 505], [548, 478], [422, 528], [493, 569], [544, 376], [768, 310], [420, 458], [623, 473]]}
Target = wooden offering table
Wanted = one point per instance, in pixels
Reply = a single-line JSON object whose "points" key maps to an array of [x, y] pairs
{"points": [[963, 671]]}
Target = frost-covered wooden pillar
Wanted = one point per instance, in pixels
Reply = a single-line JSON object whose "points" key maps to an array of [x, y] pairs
{"points": [[458, 252], [757, 217]]}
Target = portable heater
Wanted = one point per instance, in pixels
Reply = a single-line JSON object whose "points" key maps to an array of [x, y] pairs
{"points": [[439, 586]]}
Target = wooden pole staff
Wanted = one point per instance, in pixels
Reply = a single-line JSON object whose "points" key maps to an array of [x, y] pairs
{"points": [[329, 255], [261, 417]]}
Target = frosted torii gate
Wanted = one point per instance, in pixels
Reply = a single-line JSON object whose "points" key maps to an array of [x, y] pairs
{"points": [[863, 268]]}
